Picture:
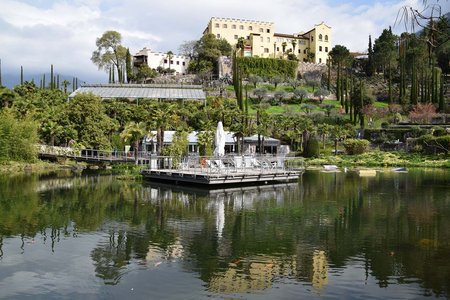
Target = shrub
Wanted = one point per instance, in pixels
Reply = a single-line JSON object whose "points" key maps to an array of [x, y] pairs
{"points": [[439, 131], [356, 146], [312, 148], [17, 138]]}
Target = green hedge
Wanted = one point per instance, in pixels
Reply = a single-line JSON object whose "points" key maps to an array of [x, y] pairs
{"points": [[356, 146], [268, 67]]}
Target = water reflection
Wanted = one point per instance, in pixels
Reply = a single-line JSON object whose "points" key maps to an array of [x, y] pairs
{"points": [[319, 236]]}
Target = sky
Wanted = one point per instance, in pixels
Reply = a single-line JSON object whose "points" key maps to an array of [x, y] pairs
{"points": [[37, 33]]}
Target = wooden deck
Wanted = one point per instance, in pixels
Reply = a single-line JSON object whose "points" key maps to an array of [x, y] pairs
{"points": [[227, 170], [205, 176]]}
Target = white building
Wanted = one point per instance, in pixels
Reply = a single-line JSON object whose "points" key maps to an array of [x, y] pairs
{"points": [[271, 145], [179, 63]]}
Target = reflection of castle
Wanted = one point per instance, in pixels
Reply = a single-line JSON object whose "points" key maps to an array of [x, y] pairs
{"points": [[249, 273], [253, 273], [320, 270]]}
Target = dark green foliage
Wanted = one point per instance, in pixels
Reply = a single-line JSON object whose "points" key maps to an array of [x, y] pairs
{"points": [[86, 116], [377, 135], [312, 148], [206, 52], [356, 146], [434, 144], [267, 67], [17, 138]]}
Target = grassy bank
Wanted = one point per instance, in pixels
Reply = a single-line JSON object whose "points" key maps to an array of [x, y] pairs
{"points": [[12, 167], [382, 159]]}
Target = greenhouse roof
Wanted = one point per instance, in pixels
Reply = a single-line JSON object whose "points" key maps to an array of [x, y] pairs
{"points": [[143, 91]]}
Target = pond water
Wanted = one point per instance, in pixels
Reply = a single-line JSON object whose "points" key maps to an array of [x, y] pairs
{"points": [[329, 235]]}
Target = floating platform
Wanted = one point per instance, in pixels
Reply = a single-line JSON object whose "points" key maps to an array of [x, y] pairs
{"points": [[222, 177]]}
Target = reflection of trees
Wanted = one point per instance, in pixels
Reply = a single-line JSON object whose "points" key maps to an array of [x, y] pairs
{"points": [[398, 224]]}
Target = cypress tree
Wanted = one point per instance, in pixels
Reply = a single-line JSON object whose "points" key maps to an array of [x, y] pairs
{"points": [[370, 63], [73, 84], [441, 95], [43, 82], [57, 81], [52, 82], [329, 75], [1, 84], [129, 67], [21, 75], [361, 96], [338, 83]]}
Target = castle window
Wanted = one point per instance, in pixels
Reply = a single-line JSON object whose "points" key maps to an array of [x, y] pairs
{"points": [[268, 30], [320, 37], [299, 51], [225, 26], [235, 36], [217, 25], [304, 51], [241, 27], [268, 39], [233, 26], [184, 63], [326, 38], [261, 30], [326, 49], [261, 39], [320, 60], [266, 50], [250, 27], [312, 39], [165, 61], [218, 35], [320, 48], [178, 63]]}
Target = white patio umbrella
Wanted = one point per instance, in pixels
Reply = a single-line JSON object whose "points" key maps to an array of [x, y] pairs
{"points": [[219, 140]]}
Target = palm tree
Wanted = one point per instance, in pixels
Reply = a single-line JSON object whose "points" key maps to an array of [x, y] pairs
{"points": [[283, 46], [163, 115], [169, 58], [240, 45], [65, 84], [294, 43], [134, 132], [7, 97]]}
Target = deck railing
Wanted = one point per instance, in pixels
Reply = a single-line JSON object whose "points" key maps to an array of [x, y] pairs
{"points": [[225, 164]]}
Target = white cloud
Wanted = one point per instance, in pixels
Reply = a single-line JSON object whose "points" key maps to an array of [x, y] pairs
{"points": [[38, 33]]}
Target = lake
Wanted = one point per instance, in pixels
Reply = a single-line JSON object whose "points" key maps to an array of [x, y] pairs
{"points": [[328, 235]]}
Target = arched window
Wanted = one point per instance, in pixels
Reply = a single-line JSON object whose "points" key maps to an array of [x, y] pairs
{"points": [[326, 38], [320, 48], [320, 37]]}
